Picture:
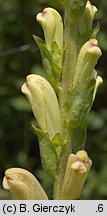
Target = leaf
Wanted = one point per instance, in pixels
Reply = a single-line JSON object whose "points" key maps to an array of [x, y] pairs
{"points": [[48, 154], [49, 157], [80, 102], [56, 54], [57, 144], [79, 137], [51, 61]]}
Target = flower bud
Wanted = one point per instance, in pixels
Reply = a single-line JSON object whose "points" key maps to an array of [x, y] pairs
{"points": [[23, 185], [52, 25], [99, 82], [87, 59], [85, 23], [77, 169], [44, 104]]}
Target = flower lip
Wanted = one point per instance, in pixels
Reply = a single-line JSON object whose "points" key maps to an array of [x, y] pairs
{"points": [[94, 43], [82, 161], [7, 180], [79, 167], [43, 13], [27, 85], [90, 4], [7, 177]]}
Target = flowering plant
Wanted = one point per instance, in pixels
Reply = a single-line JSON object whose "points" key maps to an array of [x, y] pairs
{"points": [[61, 102]]}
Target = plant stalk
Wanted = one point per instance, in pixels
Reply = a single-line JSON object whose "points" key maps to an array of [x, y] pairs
{"points": [[68, 71]]}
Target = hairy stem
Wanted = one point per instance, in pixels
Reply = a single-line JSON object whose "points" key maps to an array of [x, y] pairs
{"points": [[69, 63]]}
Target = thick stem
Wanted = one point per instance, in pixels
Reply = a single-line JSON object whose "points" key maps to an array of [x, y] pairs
{"points": [[70, 54], [69, 64], [61, 172]]}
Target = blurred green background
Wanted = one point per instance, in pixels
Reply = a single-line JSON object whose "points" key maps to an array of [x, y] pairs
{"points": [[20, 56]]}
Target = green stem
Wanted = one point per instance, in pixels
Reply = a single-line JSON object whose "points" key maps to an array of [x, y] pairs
{"points": [[61, 172], [69, 64], [70, 54]]}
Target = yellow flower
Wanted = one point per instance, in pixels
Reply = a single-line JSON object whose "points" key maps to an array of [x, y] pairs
{"points": [[85, 23], [87, 59], [52, 25], [99, 81], [77, 169], [23, 185], [44, 104]]}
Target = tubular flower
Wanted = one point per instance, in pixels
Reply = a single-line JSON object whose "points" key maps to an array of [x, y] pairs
{"points": [[99, 81], [78, 166], [44, 104], [85, 23], [87, 59], [23, 185], [52, 25]]}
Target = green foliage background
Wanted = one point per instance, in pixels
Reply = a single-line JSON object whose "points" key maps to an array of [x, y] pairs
{"points": [[18, 143]]}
